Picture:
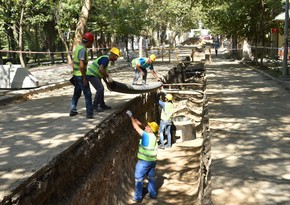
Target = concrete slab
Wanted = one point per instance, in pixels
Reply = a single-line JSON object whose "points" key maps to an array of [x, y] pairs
{"points": [[16, 77]]}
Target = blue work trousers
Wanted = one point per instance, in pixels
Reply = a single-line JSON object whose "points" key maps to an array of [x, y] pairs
{"points": [[165, 125], [137, 75], [79, 88], [100, 91], [143, 169]]}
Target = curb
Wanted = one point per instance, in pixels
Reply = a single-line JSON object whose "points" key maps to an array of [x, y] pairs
{"points": [[21, 95], [283, 83]]}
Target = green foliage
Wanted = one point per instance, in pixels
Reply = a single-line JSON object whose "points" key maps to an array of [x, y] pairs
{"points": [[242, 18], [127, 18]]}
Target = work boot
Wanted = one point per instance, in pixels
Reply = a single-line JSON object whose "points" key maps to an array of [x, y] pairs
{"points": [[73, 113], [161, 146], [90, 116], [97, 109], [136, 200], [105, 107]]}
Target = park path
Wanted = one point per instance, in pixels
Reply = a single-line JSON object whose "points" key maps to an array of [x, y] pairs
{"points": [[250, 133]]}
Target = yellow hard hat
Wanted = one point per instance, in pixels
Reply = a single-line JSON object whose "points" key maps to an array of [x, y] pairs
{"points": [[154, 126], [116, 51], [169, 97], [153, 57]]}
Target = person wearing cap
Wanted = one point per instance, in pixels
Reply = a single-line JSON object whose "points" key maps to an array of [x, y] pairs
{"points": [[147, 154], [97, 71], [79, 79], [140, 66], [166, 121]]}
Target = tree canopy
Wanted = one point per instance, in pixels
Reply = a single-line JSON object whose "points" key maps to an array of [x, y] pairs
{"points": [[54, 25]]}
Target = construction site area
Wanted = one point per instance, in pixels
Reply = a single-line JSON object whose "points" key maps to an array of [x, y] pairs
{"points": [[231, 136]]}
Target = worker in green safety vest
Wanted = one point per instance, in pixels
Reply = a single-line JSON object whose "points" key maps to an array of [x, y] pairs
{"points": [[147, 154], [79, 79], [166, 120], [97, 71]]}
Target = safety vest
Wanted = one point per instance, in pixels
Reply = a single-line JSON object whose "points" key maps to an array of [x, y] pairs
{"points": [[77, 71], [149, 152], [137, 60], [167, 111], [94, 68]]}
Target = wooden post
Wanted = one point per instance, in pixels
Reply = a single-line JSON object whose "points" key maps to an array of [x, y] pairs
{"points": [[209, 50], [192, 54], [62, 56]]}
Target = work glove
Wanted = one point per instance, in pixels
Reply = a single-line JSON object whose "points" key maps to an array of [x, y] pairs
{"points": [[157, 97], [109, 79], [129, 113], [162, 79]]}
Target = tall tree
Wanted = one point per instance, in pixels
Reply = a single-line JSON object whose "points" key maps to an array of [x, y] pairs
{"points": [[66, 17], [81, 25]]}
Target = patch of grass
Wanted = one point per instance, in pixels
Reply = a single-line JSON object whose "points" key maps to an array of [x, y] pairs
{"points": [[273, 71]]}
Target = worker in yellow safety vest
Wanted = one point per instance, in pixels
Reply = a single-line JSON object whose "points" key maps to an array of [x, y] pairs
{"points": [[97, 71], [166, 121], [79, 79], [147, 154]]}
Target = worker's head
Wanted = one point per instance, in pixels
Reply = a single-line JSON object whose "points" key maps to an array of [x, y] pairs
{"points": [[88, 39], [153, 126], [152, 57], [114, 53], [169, 97]]}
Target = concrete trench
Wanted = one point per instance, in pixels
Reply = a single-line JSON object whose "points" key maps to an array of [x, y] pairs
{"points": [[99, 167]]}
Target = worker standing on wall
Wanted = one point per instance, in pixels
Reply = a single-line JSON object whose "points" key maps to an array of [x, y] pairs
{"points": [[79, 79], [97, 71], [147, 154], [140, 65]]}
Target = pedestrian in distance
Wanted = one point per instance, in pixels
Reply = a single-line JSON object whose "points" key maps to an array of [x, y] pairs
{"points": [[97, 71], [147, 154], [166, 120], [140, 66], [216, 47], [79, 79]]}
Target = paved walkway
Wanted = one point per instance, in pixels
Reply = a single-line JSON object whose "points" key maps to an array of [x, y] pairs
{"points": [[250, 129]]}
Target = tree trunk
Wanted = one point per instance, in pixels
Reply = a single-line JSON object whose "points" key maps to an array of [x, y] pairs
{"points": [[1, 58], [82, 22], [69, 58], [36, 57], [262, 32], [64, 41], [21, 46]]}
